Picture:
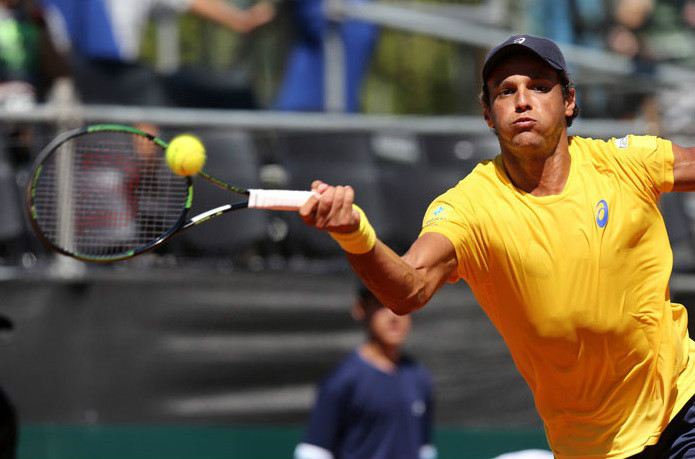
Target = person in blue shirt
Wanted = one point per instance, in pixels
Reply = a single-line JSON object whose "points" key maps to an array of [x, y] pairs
{"points": [[377, 403], [104, 37], [302, 87]]}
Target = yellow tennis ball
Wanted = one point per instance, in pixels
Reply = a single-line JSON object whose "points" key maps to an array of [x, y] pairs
{"points": [[185, 154]]}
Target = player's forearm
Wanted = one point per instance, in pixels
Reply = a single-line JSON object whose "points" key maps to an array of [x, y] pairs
{"points": [[683, 168], [403, 284], [398, 285]]}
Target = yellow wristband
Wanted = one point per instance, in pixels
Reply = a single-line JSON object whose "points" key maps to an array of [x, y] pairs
{"points": [[359, 241]]}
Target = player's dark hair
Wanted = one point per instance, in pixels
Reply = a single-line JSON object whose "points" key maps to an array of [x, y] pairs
{"points": [[364, 294], [565, 81]]}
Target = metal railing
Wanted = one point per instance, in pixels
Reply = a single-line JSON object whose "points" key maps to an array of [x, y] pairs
{"points": [[262, 120]]}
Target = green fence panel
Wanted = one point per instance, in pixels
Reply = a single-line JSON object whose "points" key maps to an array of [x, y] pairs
{"points": [[208, 442]]}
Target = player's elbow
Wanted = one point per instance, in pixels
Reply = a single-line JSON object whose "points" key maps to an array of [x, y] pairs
{"points": [[416, 299], [404, 307], [400, 311]]}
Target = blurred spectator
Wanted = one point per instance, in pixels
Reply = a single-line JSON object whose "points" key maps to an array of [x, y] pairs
{"points": [[671, 37], [631, 17], [303, 85], [377, 404], [656, 31], [589, 18], [651, 32], [677, 103], [573, 22], [551, 19], [104, 39], [688, 13], [625, 36], [29, 64], [8, 428], [581, 22], [18, 55], [28, 60]]}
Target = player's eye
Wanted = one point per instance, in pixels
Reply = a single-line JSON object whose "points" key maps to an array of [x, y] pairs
{"points": [[541, 87]]}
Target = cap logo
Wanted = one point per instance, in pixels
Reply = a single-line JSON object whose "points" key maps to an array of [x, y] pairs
{"points": [[520, 40]]}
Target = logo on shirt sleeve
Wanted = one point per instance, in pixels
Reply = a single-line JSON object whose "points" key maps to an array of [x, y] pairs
{"points": [[437, 213], [622, 142], [418, 408]]}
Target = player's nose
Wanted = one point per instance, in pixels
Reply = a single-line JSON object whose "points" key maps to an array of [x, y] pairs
{"points": [[522, 101]]}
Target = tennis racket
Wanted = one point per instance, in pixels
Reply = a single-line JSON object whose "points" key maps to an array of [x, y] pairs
{"points": [[105, 192]]}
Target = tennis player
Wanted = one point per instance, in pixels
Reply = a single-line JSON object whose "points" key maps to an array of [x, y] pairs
{"points": [[561, 241], [377, 403]]}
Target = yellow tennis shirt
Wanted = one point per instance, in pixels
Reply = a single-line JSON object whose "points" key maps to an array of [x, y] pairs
{"points": [[577, 285]]}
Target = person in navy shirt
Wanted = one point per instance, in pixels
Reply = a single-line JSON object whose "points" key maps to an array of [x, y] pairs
{"points": [[377, 404]]}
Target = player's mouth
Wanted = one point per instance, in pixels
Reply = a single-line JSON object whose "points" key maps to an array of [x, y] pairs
{"points": [[524, 123]]}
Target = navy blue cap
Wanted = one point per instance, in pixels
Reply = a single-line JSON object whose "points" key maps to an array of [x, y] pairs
{"points": [[542, 47]]}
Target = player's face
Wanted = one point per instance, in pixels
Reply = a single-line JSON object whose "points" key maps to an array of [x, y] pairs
{"points": [[385, 326], [526, 106]]}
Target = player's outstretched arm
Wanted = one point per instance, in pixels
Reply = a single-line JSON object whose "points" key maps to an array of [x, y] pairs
{"points": [[406, 283], [683, 168], [403, 284]]}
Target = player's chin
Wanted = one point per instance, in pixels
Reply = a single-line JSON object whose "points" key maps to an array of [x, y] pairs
{"points": [[395, 337], [517, 137], [529, 134], [528, 140]]}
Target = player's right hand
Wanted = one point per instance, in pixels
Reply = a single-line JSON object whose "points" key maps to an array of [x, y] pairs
{"points": [[330, 209]]}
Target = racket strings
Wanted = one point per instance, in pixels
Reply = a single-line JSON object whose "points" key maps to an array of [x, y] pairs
{"points": [[101, 197]]}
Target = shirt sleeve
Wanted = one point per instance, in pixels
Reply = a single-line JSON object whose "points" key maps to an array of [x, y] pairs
{"points": [[428, 418], [450, 216], [427, 449], [308, 451], [325, 422], [648, 161]]}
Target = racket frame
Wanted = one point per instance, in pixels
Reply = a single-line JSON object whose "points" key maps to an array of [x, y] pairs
{"points": [[257, 198], [64, 137]]}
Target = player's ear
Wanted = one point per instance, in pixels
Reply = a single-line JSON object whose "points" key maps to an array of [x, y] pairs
{"points": [[486, 116], [570, 101], [358, 312]]}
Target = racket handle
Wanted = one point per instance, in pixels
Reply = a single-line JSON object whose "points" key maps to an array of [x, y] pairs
{"points": [[278, 199]]}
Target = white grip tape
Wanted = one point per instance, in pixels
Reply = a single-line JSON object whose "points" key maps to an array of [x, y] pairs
{"points": [[278, 199]]}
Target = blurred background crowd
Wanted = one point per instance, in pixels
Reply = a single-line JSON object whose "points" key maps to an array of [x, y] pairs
{"points": [[631, 60], [233, 323]]}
